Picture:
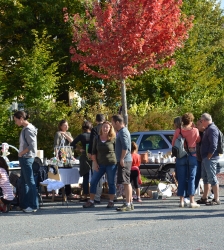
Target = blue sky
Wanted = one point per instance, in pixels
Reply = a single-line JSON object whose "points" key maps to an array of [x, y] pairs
{"points": [[222, 4]]}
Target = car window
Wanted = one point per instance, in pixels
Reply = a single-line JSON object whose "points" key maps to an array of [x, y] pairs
{"points": [[134, 137], [152, 142], [169, 138]]}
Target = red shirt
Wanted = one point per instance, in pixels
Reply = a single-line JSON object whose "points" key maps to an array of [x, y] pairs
{"points": [[136, 161]]}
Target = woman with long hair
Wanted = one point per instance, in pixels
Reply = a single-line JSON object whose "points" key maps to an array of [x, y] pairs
{"points": [[104, 161], [187, 165], [27, 153], [7, 193]]}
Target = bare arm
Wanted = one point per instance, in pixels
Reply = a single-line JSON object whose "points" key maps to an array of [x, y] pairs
{"points": [[69, 138], [123, 153], [95, 163]]}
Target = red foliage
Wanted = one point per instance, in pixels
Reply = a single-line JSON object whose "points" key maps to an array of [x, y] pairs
{"points": [[123, 38]]}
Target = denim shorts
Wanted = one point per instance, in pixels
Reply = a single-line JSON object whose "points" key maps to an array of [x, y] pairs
{"points": [[208, 171]]}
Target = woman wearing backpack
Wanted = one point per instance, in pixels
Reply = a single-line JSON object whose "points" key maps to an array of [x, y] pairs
{"points": [[187, 165]]}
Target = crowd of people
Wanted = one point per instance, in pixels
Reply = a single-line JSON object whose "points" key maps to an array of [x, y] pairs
{"points": [[201, 143], [107, 149]]}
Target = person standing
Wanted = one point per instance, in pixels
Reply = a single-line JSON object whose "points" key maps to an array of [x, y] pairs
{"points": [[187, 165], [135, 171], [104, 161], [210, 156], [63, 134], [124, 160], [85, 163], [27, 153], [100, 118]]}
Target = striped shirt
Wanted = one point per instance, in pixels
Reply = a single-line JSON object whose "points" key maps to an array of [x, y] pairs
{"points": [[5, 185]]}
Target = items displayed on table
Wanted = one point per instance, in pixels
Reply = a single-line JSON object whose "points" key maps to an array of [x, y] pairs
{"points": [[149, 157]]}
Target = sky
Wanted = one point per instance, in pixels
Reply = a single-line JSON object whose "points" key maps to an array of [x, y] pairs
{"points": [[222, 4]]}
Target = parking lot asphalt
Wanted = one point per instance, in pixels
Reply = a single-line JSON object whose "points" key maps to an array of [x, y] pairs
{"points": [[154, 224]]}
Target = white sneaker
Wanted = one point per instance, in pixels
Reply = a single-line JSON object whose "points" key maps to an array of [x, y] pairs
{"points": [[29, 210], [186, 201], [211, 196]]}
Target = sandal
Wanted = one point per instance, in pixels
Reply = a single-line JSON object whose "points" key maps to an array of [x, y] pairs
{"points": [[213, 202], [202, 201]]}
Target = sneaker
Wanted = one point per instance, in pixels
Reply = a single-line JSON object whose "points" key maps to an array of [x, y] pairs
{"points": [[96, 202], [211, 196], [181, 204], [202, 201], [132, 206], [88, 204], [110, 204], [139, 200], [124, 208], [29, 210], [194, 205], [186, 201]]}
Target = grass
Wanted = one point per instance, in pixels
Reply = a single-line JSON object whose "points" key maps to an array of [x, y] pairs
{"points": [[145, 180]]}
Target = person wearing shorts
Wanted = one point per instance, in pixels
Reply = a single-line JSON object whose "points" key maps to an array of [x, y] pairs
{"points": [[124, 160], [210, 156]]}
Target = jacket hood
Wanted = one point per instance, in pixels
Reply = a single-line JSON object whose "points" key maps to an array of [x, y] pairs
{"points": [[31, 128]]}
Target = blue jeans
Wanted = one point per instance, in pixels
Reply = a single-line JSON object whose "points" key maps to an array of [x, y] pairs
{"points": [[186, 171], [198, 175], [111, 172], [29, 196]]}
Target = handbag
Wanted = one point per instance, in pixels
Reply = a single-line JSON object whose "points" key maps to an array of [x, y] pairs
{"points": [[178, 150]]}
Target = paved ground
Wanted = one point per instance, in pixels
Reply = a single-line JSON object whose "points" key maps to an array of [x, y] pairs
{"points": [[154, 224]]}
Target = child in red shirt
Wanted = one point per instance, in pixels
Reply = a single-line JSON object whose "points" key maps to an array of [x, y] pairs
{"points": [[135, 172]]}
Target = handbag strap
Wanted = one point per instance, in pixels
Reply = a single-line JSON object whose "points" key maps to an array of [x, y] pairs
{"points": [[184, 141]]}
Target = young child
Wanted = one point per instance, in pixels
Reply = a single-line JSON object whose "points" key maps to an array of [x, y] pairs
{"points": [[7, 192], [135, 172]]}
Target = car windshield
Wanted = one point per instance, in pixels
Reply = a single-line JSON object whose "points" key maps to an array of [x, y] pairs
{"points": [[134, 137], [152, 142], [169, 138]]}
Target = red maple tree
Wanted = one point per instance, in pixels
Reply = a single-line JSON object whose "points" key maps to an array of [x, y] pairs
{"points": [[118, 39]]}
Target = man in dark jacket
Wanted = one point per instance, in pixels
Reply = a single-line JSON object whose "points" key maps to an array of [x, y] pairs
{"points": [[210, 156], [100, 118]]}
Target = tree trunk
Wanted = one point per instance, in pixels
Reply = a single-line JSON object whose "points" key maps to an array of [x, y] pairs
{"points": [[124, 102]]}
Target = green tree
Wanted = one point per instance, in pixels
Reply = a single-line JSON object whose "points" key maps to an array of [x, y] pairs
{"points": [[197, 78], [38, 75], [18, 19]]}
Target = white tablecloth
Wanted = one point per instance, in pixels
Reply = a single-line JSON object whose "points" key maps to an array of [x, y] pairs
{"points": [[70, 175]]}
